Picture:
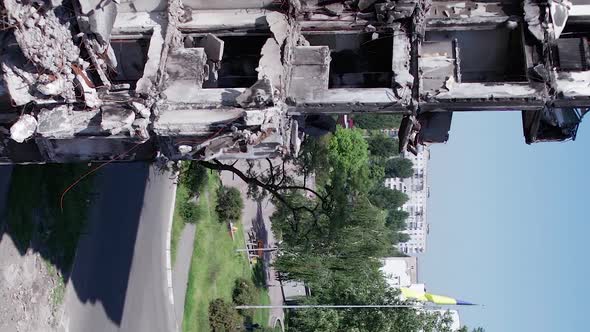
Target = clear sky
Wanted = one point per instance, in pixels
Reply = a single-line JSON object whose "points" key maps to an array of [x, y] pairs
{"points": [[509, 226]]}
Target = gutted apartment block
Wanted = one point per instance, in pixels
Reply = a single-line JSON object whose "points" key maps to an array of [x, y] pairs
{"points": [[229, 79]]}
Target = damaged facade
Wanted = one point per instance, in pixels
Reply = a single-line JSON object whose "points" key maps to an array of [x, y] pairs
{"points": [[196, 79]]}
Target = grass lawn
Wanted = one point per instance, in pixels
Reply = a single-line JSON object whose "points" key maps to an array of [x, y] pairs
{"points": [[215, 265]]}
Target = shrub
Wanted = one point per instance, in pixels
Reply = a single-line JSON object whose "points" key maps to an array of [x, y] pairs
{"points": [[223, 317], [244, 293], [189, 212], [193, 176], [229, 204]]}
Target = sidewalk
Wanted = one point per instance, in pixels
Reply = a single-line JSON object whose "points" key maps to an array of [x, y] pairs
{"points": [[181, 268]]}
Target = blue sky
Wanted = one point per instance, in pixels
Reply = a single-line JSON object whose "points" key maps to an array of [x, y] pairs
{"points": [[508, 225]]}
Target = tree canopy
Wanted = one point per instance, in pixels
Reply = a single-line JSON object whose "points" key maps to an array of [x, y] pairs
{"points": [[377, 121], [399, 168], [382, 146]]}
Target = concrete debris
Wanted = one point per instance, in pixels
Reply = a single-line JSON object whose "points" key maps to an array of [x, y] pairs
{"points": [[541, 72], [270, 64], [254, 117], [365, 4], [279, 26], [98, 17], [389, 12], [187, 65], [573, 84], [141, 110], [486, 91], [403, 80], [559, 15], [259, 95], [140, 128], [45, 41], [51, 86], [218, 146], [56, 122], [115, 120], [185, 149], [18, 83], [335, 9], [146, 84], [295, 139], [24, 128], [91, 98], [532, 16], [192, 86], [213, 47]]}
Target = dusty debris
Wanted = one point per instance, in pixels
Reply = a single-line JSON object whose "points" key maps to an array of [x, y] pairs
{"points": [[55, 123], [335, 9], [116, 120], [532, 16], [270, 64], [213, 47], [258, 95], [141, 110], [279, 26], [146, 84], [24, 128]]}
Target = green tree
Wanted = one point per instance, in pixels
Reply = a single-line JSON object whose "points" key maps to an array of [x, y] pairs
{"points": [[377, 121], [388, 199], [223, 317], [348, 158], [382, 146], [193, 176], [244, 293], [229, 204], [399, 168], [315, 320]]}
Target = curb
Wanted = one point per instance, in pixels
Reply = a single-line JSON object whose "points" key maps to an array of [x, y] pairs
{"points": [[169, 254]]}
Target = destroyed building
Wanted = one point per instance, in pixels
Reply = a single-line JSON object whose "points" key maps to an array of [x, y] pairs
{"points": [[226, 79]]}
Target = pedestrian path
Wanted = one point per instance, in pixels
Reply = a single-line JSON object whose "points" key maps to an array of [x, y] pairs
{"points": [[181, 269]]}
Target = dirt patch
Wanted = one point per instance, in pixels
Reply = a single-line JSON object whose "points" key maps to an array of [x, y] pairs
{"points": [[27, 286]]}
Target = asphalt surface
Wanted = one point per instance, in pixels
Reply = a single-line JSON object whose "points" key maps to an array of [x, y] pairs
{"points": [[119, 280], [5, 176]]}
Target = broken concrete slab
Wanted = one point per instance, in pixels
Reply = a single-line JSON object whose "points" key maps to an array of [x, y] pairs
{"points": [[187, 65], [56, 123], [279, 26], [24, 128], [98, 17], [259, 95], [310, 73], [270, 64], [116, 119], [18, 84], [559, 15], [150, 71], [213, 47], [141, 110], [335, 9]]}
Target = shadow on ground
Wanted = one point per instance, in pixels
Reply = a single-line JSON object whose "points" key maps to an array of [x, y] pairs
{"points": [[100, 218], [259, 228]]}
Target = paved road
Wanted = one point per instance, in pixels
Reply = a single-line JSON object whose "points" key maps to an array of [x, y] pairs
{"points": [[5, 176], [119, 280]]}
